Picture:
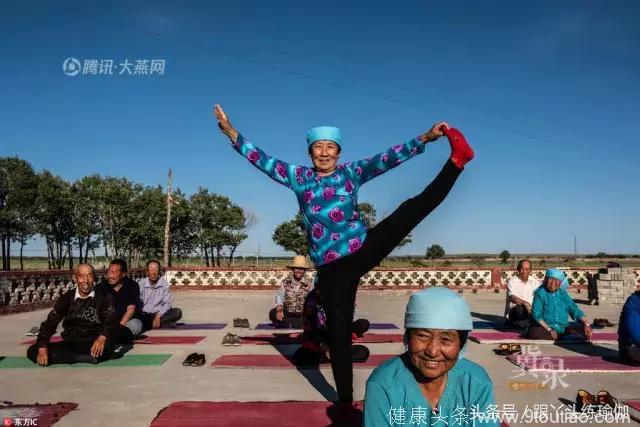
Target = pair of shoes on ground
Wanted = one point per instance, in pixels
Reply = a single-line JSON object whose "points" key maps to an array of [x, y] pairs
{"points": [[231, 339], [603, 398], [241, 323], [507, 349], [194, 359], [601, 323]]}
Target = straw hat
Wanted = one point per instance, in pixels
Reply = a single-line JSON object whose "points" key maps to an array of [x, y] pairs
{"points": [[299, 261]]}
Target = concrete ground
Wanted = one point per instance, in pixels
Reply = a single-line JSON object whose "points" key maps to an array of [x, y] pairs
{"points": [[132, 396]]}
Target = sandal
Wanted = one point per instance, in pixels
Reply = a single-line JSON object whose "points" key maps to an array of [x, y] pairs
{"points": [[584, 399], [237, 323], [515, 349], [601, 323], [503, 350], [604, 398], [245, 323], [190, 359]]}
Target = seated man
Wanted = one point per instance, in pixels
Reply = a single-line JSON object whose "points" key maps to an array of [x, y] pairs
{"points": [[520, 291], [155, 299], [629, 330], [88, 323], [314, 337], [552, 305], [289, 300], [126, 299]]}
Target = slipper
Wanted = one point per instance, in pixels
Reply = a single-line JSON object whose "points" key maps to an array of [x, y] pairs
{"points": [[237, 323], [604, 398], [245, 323], [584, 399], [190, 359], [228, 339], [604, 322]]}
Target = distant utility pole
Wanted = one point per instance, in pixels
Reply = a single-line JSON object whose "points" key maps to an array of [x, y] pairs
{"points": [[257, 256], [575, 245], [168, 222]]}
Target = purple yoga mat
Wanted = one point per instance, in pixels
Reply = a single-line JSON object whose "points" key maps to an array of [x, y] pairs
{"points": [[496, 337], [570, 364], [271, 327], [194, 326]]}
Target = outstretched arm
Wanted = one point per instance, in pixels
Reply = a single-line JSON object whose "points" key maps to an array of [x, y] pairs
{"points": [[380, 163], [278, 170]]}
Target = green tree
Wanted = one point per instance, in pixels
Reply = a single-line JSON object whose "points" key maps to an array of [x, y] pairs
{"points": [[504, 256], [291, 236], [54, 217], [18, 193], [85, 197], [435, 252]]}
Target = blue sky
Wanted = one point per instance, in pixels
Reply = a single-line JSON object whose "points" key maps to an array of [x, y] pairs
{"points": [[546, 92]]}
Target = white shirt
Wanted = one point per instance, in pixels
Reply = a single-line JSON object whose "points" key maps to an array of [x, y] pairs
{"points": [[91, 294], [523, 290]]}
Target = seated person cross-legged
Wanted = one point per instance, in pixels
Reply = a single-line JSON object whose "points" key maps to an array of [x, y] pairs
{"points": [[552, 306], [314, 337], [88, 322]]}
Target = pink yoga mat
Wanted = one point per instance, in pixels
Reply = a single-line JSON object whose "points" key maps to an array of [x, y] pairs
{"points": [[294, 338], [167, 339], [263, 414], [570, 364], [496, 337], [279, 361]]}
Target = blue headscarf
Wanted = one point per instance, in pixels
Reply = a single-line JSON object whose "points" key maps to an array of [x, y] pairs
{"points": [[329, 133], [438, 308], [554, 273]]}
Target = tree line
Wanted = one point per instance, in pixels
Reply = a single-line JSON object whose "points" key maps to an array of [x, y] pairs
{"points": [[115, 215]]}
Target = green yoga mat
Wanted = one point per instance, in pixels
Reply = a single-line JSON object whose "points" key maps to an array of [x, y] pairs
{"points": [[20, 362]]}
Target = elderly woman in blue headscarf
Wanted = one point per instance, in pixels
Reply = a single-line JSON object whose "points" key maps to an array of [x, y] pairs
{"points": [[551, 308], [432, 382]]}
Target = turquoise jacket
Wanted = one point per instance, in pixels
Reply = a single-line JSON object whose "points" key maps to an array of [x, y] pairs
{"points": [[329, 204], [554, 308], [393, 397]]}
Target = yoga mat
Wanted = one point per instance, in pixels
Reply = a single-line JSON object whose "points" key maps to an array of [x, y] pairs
{"points": [[294, 338], [44, 415], [498, 337], [263, 414], [279, 361], [196, 326], [271, 327], [18, 362], [634, 408], [569, 364], [484, 324], [177, 339]]}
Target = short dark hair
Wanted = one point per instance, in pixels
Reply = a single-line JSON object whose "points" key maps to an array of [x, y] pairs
{"points": [[521, 262], [122, 263], [154, 261]]}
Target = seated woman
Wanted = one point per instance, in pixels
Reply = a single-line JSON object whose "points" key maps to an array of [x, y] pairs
{"points": [[552, 306], [629, 330], [432, 378], [314, 348]]}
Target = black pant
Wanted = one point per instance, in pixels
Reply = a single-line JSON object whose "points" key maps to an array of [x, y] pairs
{"points": [[71, 352], [171, 316], [290, 320], [338, 280], [592, 289], [519, 317]]}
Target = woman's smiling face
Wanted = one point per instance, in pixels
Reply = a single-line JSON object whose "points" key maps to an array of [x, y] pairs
{"points": [[434, 351]]}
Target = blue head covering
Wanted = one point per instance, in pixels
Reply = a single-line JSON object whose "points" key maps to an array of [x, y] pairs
{"points": [[438, 308], [554, 273], [329, 133]]}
